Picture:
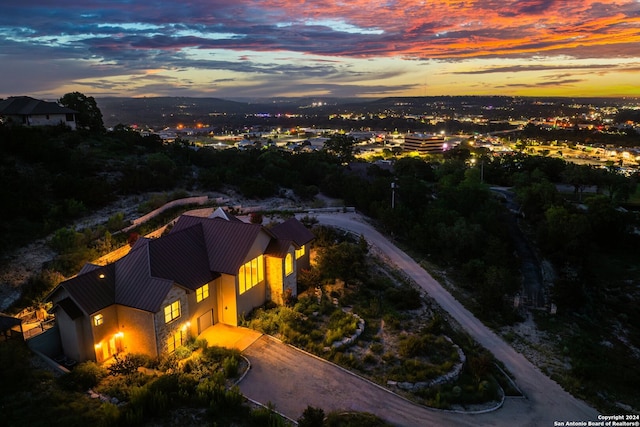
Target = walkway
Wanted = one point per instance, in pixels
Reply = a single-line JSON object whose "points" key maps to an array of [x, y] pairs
{"points": [[222, 335]]}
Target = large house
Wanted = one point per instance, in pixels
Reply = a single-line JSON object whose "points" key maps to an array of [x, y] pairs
{"points": [[27, 111], [204, 271]]}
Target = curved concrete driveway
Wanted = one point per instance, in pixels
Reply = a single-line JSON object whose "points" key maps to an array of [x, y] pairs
{"points": [[292, 379]]}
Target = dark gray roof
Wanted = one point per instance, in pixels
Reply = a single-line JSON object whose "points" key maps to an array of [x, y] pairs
{"points": [[195, 252], [182, 257], [278, 248], [70, 307], [293, 230], [93, 290], [228, 242], [88, 267], [135, 287], [7, 322], [25, 105]]}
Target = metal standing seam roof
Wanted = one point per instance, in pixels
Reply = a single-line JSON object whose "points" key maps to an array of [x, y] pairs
{"points": [[135, 287], [25, 105], [293, 230], [182, 257], [228, 242], [195, 252], [278, 248], [93, 290], [71, 308]]}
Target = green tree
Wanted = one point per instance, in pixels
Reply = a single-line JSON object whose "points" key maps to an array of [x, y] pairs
{"points": [[311, 417], [88, 114], [344, 261], [341, 146]]}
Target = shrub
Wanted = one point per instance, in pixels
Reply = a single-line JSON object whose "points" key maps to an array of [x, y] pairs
{"points": [[377, 348], [128, 364], [230, 366], [403, 297], [266, 417], [369, 359], [108, 415], [311, 417], [335, 419], [84, 376], [120, 386], [308, 279], [182, 352], [200, 343]]}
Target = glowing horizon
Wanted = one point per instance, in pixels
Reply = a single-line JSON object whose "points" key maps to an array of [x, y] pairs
{"points": [[242, 48]]}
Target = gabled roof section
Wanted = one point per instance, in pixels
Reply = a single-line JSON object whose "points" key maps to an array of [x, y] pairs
{"points": [[135, 287], [7, 322], [70, 307], [25, 105], [278, 248], [93, 290], [182, 257], [228, 242], [88, 267], [293, 230], [222, 214]]}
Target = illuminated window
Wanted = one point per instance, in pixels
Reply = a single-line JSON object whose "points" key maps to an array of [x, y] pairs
{"points": [[98, 320], [175, 340], [250, 274], [202, 293], [288, 264], [172, 311], [300, 252]]}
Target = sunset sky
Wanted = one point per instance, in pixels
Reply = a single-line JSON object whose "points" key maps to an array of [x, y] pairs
{"points": [[336, 48]]}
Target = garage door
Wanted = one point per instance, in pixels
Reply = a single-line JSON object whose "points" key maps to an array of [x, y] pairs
{"points": [[205, 321]]}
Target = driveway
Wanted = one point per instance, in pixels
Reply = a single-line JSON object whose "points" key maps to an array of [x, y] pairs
{"points": [[292, 379], [545, 400]]}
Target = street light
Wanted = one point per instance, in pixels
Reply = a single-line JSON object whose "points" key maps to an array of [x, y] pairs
{"points": [[393, 195], [473, 162]]}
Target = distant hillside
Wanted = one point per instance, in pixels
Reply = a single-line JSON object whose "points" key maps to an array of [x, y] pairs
{"points": [[164, 110], [158, 112]]}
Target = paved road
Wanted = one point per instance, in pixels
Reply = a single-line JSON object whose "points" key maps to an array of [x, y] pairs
{"points": [[292, 379]]}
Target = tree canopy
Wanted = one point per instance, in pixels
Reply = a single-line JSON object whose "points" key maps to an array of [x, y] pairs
{"points": [[89, 116]]}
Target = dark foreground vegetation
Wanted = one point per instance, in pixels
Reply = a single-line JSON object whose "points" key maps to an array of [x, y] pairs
{"points": [[444, 214], [193, 386]]}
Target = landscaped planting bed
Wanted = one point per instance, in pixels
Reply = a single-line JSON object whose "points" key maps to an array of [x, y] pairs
{"points": [[405, 342]]}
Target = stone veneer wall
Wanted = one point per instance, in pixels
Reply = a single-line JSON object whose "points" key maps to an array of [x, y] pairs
{"points": [[164, 330]]}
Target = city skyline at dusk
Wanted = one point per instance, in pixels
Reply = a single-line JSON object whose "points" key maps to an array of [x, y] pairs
{"points": [[239, 49]]}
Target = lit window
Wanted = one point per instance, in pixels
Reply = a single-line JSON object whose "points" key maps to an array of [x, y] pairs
{"points": [[202, 293], [172, 311], [300, 252], [174, 341], [250, 274], [288, 264], [98, 320]]}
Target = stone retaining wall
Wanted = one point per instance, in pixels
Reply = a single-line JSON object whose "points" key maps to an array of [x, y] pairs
{"points": [[450, 376]]}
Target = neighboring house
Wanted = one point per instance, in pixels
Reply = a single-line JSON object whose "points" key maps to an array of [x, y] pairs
{"points": [[27, 111], [10, 328], [165, 290]]}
